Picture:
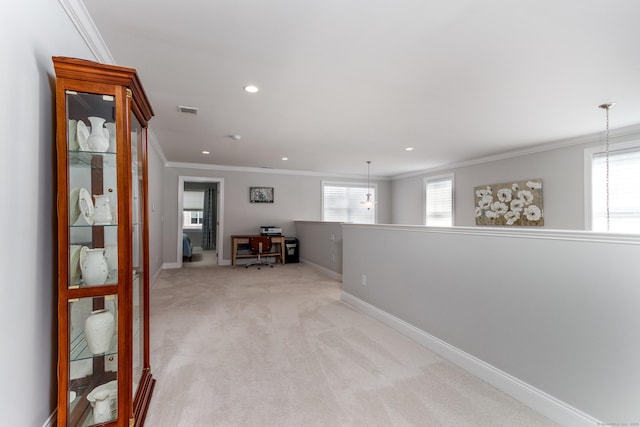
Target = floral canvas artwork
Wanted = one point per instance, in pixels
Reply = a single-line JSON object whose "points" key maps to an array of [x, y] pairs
{"points": [[516, 203]]}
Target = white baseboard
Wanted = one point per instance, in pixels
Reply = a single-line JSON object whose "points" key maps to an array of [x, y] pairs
{"points": [[155, 277], [558, 411], [170, 265], [335, 276], [52, 421]]}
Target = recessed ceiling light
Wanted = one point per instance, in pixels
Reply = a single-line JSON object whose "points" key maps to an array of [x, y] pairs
{"points": [[409, 149], [235, 137], [251, 88], [205, 152], [285, 158]]}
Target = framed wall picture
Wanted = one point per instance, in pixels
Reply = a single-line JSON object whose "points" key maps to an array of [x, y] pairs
{"points": [[515, 203], [261, 194]]}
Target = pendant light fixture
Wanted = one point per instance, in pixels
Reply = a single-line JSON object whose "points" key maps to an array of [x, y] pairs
{"points": [[606, 107], [369, 203]]}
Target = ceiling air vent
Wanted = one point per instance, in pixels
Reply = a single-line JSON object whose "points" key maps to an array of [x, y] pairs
{"points": [[188, 110]]}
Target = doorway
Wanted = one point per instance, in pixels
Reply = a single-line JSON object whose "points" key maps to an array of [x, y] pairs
{"points": [[200, 221]]}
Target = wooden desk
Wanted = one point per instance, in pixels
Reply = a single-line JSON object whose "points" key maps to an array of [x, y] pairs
{"points": [[244, 240]]}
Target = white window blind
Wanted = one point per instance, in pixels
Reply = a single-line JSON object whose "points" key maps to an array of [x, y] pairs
{"points": [[341, 203], [193, 200], [439, 201], [624, 191]]}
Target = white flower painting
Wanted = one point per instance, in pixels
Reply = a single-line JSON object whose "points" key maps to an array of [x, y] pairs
{"points": [[514, 203]]}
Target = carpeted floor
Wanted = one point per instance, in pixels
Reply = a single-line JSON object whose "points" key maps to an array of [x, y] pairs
{"points": [[276, 347], [201, 258]]}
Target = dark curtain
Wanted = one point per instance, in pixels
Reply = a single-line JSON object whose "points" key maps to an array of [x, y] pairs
{"points": [[209, 219]]}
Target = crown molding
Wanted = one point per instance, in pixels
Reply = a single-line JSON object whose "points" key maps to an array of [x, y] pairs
{"points": [[83, 22], [79, 15], [267, 170], [614, 134], [153, 142]]}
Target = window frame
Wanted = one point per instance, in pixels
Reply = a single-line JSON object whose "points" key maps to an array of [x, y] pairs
{"points": [[589, 153], [191, 226], [350, 184], [439, 177]]}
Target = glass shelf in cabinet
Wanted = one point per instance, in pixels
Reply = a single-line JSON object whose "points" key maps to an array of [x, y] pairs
{"points": [[91, 226], [80, 350], [84, 158], [112, 279]]}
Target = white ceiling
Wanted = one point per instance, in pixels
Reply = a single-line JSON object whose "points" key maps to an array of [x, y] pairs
{"points": [[345, 81]]}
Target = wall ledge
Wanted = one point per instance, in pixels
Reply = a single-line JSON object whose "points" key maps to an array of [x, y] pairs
{"points": [[527, 233], [304, 221], [536, 399]]}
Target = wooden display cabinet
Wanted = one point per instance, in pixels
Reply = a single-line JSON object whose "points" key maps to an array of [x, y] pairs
{"points": [[104, 376]]}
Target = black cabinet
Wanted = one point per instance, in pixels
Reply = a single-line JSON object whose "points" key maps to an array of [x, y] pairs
{"points": [[292, 250]]}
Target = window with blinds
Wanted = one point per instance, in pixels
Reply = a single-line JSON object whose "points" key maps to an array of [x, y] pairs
{"points": [[192, 209], [624, 191], [439, 201], [341, 202]]}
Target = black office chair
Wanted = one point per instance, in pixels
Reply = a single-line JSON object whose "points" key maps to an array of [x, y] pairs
{"points": [[259, 245]]}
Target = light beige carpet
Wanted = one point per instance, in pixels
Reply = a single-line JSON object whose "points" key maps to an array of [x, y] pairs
{"points": [[201, 258], [276, 347]]}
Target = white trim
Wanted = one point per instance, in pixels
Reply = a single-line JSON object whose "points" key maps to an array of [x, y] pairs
{"points": [[79, 15], [154, 277], [220, 231], [52, 421], [443, 176], [533, 149], [578, 235], [324, 270], [536, 399], [171, 265], [267, 170], [153, 142]]}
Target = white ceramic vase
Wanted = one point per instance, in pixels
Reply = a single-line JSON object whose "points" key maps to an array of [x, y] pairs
{"points": [[93, 266], [97, 140], [111, 254], [102, 407], [102, 210], [111, 128], [98, 330]]}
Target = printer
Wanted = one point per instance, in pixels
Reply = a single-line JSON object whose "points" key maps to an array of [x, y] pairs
{"points": [[270, 230]]}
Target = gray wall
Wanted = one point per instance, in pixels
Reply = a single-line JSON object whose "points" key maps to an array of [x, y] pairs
{"points": [[321, 243], [296, 197], [155, 192], [555, 310], [30, 33], [561, 170]]}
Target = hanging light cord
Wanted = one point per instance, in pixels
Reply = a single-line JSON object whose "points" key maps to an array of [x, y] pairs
{"points": [[368, 203], [606, 108], [607, 167], [368, 185]]}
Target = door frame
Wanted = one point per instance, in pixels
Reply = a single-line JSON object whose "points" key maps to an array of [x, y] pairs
{"points": [[220, 213]]}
